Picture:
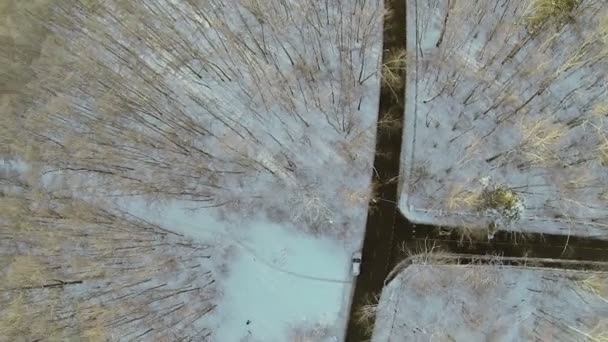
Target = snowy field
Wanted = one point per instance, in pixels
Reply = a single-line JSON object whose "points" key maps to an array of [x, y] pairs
{"points": [[492, 303], [507, 95], [274, 284], [246, 126]]}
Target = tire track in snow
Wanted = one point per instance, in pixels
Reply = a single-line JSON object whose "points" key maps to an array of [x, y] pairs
{"points": [[269, 264]]}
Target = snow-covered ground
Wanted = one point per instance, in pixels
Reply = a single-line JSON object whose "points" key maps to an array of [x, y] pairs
{"points": [[270, 282], [490, 100], [492, 303], [274, 284], [246, 125]]}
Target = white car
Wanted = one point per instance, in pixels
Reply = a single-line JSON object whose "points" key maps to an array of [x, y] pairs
{"points": [[356, 263]]}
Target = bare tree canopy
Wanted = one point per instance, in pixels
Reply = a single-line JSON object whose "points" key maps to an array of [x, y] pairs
{"points": [[244, 103], [73, 270]]}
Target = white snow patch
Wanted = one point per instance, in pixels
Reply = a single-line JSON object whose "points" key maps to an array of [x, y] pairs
{"points": [[277, 279], [275, 301]]}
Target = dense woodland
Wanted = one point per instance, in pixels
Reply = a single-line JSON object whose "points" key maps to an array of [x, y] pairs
{"points": [[243, 105], [508, 95], [240, 106]]}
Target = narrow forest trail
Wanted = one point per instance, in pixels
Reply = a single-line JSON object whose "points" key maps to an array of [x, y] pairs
{"points": [[379, 236]]}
